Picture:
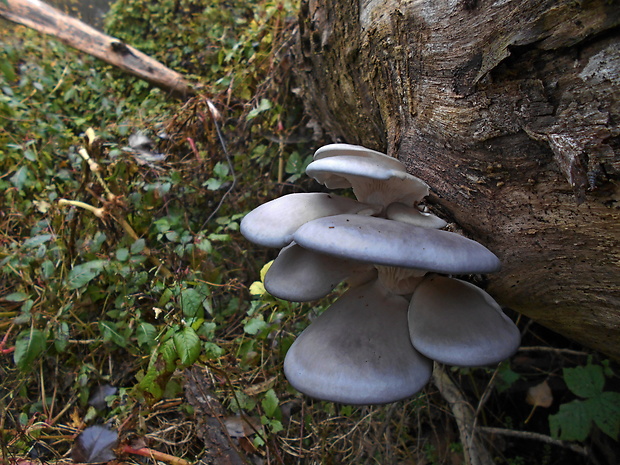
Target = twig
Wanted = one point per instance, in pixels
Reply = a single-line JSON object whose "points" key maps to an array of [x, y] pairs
{"points": [[535, 436], [552, 349], [215, 115], [474, 451], [145, 452]]}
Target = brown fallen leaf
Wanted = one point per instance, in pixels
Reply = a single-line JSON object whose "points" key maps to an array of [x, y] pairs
{"points": [[540, 395]]}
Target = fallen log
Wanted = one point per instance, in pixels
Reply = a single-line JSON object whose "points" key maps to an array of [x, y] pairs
{"points": [[73, 32]]}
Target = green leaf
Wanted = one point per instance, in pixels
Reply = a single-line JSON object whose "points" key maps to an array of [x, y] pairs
{"points": [[36, 241], [270, 403], [122, 254], [16, 297], [572, 422], [254, 326], [29, 345], [20, 177], [168, 352], [587, 381], [62, 337], [605, 410], [110, 332], [138, 246], [146, 334], [191, 303], [187, 344], [82, 274]]}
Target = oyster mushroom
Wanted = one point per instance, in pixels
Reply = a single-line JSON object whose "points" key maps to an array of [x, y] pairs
{"points": [[358, 351], [457, 323], [273, 223], [385, 242]]}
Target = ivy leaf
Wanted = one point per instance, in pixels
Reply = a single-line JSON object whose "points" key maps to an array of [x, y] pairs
{"points": [[82, 274], [572, 422], [187, 344], [29, 345], [587, 381]]}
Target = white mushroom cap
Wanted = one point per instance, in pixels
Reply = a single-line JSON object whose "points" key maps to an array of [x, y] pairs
{"points": [[300, 275], [386, 242], [358, 351], [338, 150], [405, 214], [456, 323], [373, 180], [273, 223]]}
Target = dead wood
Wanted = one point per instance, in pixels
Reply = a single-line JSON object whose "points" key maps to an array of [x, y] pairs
{"points": [[48, 20]]}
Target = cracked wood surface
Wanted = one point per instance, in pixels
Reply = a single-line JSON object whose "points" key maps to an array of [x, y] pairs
{"points": [[510, 111]]}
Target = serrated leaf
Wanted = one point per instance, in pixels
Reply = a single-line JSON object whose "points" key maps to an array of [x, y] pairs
{"points": [[254, 326], [82, 274], [28, 346], [191, 303], [572, 422], [270, 403], [586, 381], [605, 410], [187, 344]]}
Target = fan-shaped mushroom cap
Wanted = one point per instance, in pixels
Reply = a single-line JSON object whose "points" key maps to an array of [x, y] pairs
{"points": [[373, 180], [338, 150], [386, 242], [358, 351], [273, 223], [405, 214], [300, 275], [456, 323]]}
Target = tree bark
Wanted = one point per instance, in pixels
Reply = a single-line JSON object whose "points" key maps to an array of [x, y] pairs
{"points": [[510, 111], [73, 32]]}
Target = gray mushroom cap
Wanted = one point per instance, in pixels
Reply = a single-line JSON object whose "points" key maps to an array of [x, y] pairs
{"points": [[338, 150], [386, 242], [273, 223], [373, 180], [358, 351], [400, 212], [300, 275], [456, 323]]}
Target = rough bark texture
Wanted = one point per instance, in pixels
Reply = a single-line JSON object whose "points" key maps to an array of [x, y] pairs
{"points": [[509, 110]]}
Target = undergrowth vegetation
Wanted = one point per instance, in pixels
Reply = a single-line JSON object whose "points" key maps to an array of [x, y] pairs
{"points": [[124, 279]]}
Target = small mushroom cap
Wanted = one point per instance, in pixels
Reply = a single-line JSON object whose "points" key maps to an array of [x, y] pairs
{"points": [[273, 223], [457, 323], [338, 150], [373, 180], [405, 214], [386, 242], [358, 351], [300, 275]]}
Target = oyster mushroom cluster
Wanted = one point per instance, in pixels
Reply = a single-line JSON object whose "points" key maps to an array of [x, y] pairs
{"points": [[376, 343]]}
